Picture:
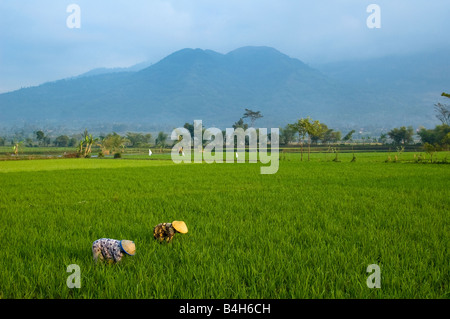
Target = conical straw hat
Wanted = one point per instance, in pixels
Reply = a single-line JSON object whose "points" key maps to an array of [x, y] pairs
{"points": [[128, 247], [180, 226]]}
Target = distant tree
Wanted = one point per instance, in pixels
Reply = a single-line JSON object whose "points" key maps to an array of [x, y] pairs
{"points": [[287, 135], [440, 135], [300, 128], [446, 140], [72, 142], [331, 136], [348, 136], [113, 143], [190, 128], [42, 138], [40, 135], [306, 126], [319, 133], [313, 129], [2, 141], [28, 142], [402, 135], [253, 116], [327, 136], [240, 124], [430, 149], [138, 139], [161, 140], [46, 141], [335, 136], [409, 135], [443, 113], [383, 138], [445, 94], [62, 141]]}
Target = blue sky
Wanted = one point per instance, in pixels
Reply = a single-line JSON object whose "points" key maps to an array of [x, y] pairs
{"points": [[37, 46]]}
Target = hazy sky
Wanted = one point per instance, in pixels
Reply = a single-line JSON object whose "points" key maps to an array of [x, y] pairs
{"points": [[36, 44]]}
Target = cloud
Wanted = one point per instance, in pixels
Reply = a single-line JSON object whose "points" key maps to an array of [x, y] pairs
{"points": [[37, 46]]}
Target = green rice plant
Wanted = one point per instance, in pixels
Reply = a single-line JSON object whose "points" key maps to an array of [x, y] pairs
{"points": [[308, 231]]}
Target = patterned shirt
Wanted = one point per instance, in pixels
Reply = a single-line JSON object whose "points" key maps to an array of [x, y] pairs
{"points": [[106, 248], [164, 231]]}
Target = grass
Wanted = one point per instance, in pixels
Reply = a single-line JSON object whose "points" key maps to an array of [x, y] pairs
{"points": [[309, 231]]}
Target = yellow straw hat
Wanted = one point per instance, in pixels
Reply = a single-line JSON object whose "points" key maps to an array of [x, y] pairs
{"points": [[128, 247], [180, 226]]}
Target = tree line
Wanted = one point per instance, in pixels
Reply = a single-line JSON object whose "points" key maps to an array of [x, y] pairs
{"points": [[304, 130], [313, 131], [114, 143]]}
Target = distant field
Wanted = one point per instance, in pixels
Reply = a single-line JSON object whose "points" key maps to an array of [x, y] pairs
{"points": [[309, 231]]}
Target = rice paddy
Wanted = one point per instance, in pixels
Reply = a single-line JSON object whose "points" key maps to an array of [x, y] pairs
{"points": [[308, 231]]}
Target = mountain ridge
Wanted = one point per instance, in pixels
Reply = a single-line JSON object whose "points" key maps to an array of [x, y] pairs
{"points": [[203, 84]]}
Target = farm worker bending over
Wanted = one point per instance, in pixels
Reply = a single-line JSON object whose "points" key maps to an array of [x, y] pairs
{"points": [[166, 231], [112, 250]]}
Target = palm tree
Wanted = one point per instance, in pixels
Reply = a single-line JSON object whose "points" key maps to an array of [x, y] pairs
{"points": [[86, 142], [89, 140], [80, 148], [85, 145]]}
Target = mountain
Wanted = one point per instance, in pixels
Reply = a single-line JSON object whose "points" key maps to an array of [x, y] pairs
{"points": [[99, 71], [193, 84], [424, 71], [408, 84]]}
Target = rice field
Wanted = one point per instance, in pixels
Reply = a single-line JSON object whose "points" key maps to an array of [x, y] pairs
{"points": [[308, 231]]}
